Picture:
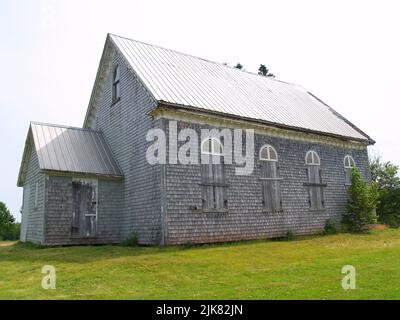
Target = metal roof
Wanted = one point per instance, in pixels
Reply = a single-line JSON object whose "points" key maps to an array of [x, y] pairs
{"points": [[186, 80], [75, 150]]}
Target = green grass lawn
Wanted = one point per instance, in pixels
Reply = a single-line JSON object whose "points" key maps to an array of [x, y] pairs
{"points": [[305, 269]]}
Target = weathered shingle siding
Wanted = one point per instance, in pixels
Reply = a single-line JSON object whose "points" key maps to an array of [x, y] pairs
{"points": [[60, 207], [35, 219], [245, 218], [125, 125]]}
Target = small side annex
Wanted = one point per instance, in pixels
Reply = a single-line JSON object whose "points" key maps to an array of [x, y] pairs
{"points": [[68, 170]]}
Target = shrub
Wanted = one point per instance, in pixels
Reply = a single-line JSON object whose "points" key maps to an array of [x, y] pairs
{"points": [[290, 236], [330, 227], [344, 228], [363, 200], [132, 240], [188, 245]]}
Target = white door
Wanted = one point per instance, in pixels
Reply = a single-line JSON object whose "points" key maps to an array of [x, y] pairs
{"points": [[25, 213]]}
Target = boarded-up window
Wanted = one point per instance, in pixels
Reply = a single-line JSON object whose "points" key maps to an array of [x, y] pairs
{"points": [[314, 181], [116, 92], [270, 180], [214, 193], [214, 186], [36, 199], [349, 164]]}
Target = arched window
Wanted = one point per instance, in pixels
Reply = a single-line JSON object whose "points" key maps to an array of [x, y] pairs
{"points": [[214, 193], [349, 164], [212, 146], [312, 158], [314, 181], [270, 180], [268, 153], [116, 92]]}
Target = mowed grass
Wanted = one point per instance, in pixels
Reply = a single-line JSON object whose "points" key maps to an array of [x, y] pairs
{"points": [[304, 269]]}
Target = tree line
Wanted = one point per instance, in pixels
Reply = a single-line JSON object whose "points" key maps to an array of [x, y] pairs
{"points": [[262, 70], [9, 228]]}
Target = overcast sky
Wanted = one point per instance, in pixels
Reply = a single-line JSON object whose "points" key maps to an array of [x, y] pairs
{"points": [[345, 52]]}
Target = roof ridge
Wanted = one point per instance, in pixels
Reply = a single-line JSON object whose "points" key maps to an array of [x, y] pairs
{"points": [[200, 58]]}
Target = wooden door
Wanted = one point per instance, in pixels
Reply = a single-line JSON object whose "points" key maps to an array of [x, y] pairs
{"points": [[84, 216]]}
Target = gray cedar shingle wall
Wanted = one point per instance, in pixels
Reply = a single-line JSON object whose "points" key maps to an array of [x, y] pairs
{"points": [[58, 210], [246, 219], [125, 125], [60, 207], [35, 218]]}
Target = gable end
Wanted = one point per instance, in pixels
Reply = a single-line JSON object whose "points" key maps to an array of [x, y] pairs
{"points": [[104, 66]]}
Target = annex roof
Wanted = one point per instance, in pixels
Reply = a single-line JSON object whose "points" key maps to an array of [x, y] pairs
{"points": [[69, 149]]}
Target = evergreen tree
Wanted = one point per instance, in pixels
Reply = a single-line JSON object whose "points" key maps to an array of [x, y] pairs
{"points": [[239, 66], [363, 200], [263, 70]]}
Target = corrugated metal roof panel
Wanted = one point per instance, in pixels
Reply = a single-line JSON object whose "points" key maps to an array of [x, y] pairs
{"points": [[183, 79], [74, 150]]}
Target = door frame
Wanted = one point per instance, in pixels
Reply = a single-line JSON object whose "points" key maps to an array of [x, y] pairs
{"points": [[25, 212]]}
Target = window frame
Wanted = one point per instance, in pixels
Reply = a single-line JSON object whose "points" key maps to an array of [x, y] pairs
{"points": [[351, 160], [313, 162], [212, 139], [209, 183], [269, 148], [315, 188], [116, 83], [348, 169]]}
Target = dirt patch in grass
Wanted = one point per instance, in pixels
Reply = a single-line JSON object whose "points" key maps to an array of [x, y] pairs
{"points": [[378, 227], [6, 243]]}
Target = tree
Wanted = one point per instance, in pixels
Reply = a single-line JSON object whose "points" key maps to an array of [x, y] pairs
{"points": [[363, 200], [385, 175], [263, 70], [239, 66], [388, 210], [7, 222]]}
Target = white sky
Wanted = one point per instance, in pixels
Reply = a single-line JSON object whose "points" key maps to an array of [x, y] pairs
{"points": [[345, 52]]}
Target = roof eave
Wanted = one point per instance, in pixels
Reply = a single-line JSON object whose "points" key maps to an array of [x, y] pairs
{"points": [[368, 138], [91, 174], [161, 103], [96, 81], [29, 142]]}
